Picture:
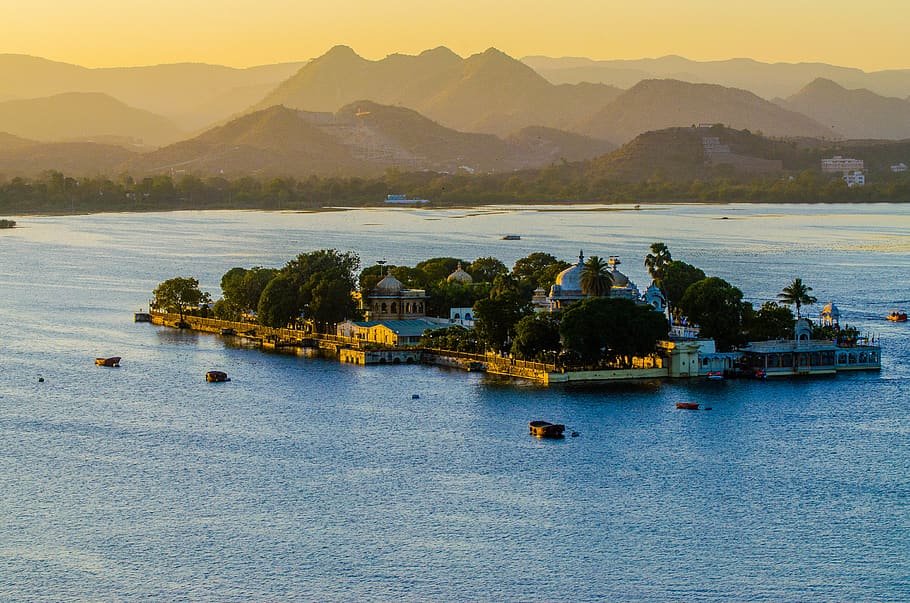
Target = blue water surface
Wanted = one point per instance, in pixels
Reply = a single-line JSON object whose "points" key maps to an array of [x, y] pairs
{"points": [[312, 480]]}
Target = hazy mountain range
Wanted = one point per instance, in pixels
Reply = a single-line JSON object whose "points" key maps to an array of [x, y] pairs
{"points": [[768, 80], [343, 114]]}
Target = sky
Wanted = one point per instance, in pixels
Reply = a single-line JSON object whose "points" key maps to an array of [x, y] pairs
{"points": [[870, 35]]}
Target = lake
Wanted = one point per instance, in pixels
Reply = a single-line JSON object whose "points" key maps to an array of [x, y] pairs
{"points": [[308, 479]]}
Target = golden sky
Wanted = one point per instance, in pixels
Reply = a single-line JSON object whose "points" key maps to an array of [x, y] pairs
{"points": [[871, 34]]}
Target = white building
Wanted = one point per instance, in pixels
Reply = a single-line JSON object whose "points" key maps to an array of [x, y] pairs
{"points": [[900, 167], [842, 164], [855, 179]]}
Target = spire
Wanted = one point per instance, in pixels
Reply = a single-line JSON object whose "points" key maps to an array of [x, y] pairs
{"points": [[581, 256]]}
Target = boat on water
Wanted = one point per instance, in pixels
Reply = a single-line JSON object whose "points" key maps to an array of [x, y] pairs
{"points": [[216, 377], [715, 376], [687, 405], [403, 200], [898, 316], [544, 429], [511, 237], [113, 361], [141, 316]]}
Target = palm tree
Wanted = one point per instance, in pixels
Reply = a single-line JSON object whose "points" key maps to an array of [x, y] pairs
{"points": [[656, 261], [797, 294], [596, 279]]}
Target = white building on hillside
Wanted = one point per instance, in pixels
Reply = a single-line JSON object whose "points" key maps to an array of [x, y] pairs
{"points": [[855, 179], [842, 164], [900, 167]]}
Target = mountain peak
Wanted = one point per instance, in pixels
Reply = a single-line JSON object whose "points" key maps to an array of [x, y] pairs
{"points": [[339, 52]]}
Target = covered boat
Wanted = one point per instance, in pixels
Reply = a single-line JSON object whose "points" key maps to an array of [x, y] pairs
{"points": [[543, 429], [111, 361], [216, 377], [687, 405], [898, 316]]}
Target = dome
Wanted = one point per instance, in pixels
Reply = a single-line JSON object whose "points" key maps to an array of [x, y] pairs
{"points": [[569, 280], [388, 286], [619, 279], [460, 276]]}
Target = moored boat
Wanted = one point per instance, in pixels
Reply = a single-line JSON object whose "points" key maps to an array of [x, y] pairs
{"points": [[511, 237], [687, 405], [216, 377], [898, 316], [113, 361], [715, 376], [544, 429]]}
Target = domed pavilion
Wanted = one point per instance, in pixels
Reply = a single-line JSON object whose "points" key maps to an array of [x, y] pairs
{"points": [[391, 300]]}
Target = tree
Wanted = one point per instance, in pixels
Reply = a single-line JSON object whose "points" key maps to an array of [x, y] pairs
{"points": [[657, 261], [797, 294], [596, 280], [536, 336], [486, 269], [717, 307], [771, 321], [317, 285], [495, 317], [178, 295], [437, 269], [279, 303], [615, 330], [677, 277]]}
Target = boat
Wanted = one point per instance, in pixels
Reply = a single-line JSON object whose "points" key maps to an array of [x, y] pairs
{"points": [[511, 237], [543, 429], [141, 316], [715, 375], [113, 361], [216, 377], [687, 405], [403, 200], [228, 331], [898, 316]]}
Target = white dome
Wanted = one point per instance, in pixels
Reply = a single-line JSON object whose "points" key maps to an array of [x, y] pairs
{"points": [[619, 279], [569, 280], [388, 285]]}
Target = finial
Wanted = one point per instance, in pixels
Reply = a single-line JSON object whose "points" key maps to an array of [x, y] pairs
{"points": [[581, 256]]}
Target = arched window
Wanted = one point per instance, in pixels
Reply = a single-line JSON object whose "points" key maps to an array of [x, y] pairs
{"points": [[394, 308], [457, 316], [385, 308], [467, 316]]}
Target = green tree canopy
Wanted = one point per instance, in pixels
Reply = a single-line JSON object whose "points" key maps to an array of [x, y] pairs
{"points": [[717, 307], [677, 277], [537, 337], [771, 321], [797, 294], [279, 303], [178, 295], [601, 329], [486, 269], [496, 316], [437, 269]]}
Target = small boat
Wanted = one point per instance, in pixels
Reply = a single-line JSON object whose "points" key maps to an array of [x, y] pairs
{"points": [[898, 316], [216, 377], [113, 361], [511, 237], [141, 316], [228, 331], [543, 429], [715, 375], [687, 405]]}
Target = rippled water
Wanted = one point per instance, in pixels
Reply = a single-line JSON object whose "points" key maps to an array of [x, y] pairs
{"points": [[307, 479]]}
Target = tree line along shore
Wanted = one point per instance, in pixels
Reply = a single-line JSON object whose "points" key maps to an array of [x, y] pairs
{"points": [[57, 193], [318, 290]]}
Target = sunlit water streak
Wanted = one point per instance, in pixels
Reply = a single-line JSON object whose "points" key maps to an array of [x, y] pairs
{"points": [[305, 479]]}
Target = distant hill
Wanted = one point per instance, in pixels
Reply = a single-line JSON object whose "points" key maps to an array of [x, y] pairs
{"points": [[363, 138], [191, 94], [9, 142], [71, 158], [558, 144], [488, 92], [768, 80], [704, 153], [855, 113], [82, 116], [658, 104]]}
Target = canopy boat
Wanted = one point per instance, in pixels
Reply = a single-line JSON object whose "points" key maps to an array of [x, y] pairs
{"points": [[715, 376], [898, 316], [511, 237], [216, 377], [543, 429], [687, 405], [112, 361]]}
